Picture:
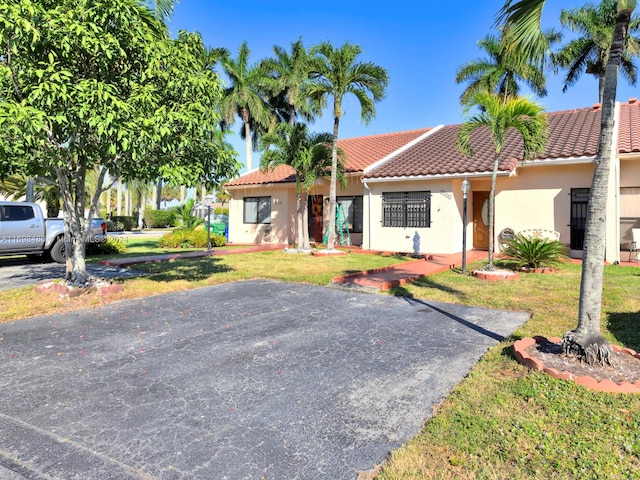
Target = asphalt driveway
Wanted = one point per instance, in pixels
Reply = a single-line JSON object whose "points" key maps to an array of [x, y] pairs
{"points": [[257, 379], [21, 272]]}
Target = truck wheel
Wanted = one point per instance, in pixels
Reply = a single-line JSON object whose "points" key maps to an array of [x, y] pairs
{"points": [[57, 251]]}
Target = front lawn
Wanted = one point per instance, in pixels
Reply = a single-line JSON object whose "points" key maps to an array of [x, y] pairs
{"points": [[505, 422]]}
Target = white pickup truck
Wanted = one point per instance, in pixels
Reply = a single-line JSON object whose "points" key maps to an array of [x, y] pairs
{"points": [[25, 231]]}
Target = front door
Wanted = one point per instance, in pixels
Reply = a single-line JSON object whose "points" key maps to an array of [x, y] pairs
{"points": [[481, 220], [316, 217]]}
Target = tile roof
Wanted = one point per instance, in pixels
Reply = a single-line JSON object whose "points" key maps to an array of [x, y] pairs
{"points": [[360, 152], [629, 127], [572, 134]]}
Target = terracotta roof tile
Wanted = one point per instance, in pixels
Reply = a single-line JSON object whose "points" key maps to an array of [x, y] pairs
{"points": [[360, 152], [572, 133], [629, 128]]}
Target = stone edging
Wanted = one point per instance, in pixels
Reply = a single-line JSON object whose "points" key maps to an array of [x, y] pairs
{"points": [[586, 381]]}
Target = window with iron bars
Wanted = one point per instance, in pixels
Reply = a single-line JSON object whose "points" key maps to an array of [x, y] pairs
{"points": [[406, 209]]}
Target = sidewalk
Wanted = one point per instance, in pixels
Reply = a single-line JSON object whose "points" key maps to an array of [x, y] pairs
{"points": [[396, 275]]}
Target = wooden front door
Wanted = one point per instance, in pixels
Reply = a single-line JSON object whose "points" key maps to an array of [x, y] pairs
{"points": [[316, 217], [481, 220]]}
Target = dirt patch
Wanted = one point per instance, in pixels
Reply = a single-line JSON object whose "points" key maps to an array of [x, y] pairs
{"points": [[626, 366]]}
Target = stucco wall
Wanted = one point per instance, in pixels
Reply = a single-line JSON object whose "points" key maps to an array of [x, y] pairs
{"points": [[283, 212], [438, 238]]}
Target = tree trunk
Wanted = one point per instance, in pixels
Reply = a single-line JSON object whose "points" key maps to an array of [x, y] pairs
{"points": [[159, 194], [119, 198], [586, 341], [306, 245], [247, 142], [331, 239], [492, 210]]}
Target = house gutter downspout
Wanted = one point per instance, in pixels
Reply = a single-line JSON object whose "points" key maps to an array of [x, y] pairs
{"points": [[366, 186]]}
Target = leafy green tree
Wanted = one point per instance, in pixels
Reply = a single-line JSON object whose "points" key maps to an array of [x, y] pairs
{"points": [[309, 155], [522, 20], [89, 85], [589, 52], [498, 116], [337, 72], [499, 73], [245, 98]]}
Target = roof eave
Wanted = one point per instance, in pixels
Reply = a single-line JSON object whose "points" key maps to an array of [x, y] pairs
{"points": [[434, 177]]}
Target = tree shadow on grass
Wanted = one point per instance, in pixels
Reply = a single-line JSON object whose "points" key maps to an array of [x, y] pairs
{"points": [[191, 270], [624, 327]]}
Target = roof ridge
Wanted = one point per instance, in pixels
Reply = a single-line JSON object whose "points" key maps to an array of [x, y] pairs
{"points": [[386, 134]]}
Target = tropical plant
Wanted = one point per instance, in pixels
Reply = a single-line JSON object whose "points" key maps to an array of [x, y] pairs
{"points": [[589, 52], [337, 72], [15, 186], [197, 238], [186, 220], [245, 98], [498, 72], [533, 252], [522, 22], [310, 157], [498, 116], [288, 76], [140, 103]]}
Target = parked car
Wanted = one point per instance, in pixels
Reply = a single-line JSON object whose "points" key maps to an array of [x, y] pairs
{"points": [[25, 231]]}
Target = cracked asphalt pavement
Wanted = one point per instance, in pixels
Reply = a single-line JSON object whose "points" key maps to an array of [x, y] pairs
{"points": [[249, 380]]}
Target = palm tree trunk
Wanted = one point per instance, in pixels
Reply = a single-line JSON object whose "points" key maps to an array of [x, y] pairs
{"points": [[586, 341], [331, 239], [305, 221], [492, 209], [248, 146]]}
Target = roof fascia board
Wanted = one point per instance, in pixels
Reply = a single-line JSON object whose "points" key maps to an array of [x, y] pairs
{"points": [[557, 161], [403, 148], [629, 156], [451, 176]]}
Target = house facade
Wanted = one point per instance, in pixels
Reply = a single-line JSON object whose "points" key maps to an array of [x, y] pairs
{"points": [[408, 198]]}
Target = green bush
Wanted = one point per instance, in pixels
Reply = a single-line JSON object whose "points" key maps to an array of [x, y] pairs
{"points": [[159, 218], [183, 238], [533, 252], [112, 246]]}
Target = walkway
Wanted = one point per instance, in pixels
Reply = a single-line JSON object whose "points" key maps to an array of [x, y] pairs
{"points": [[373, 280]]}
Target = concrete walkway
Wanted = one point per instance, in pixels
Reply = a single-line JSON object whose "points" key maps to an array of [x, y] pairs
{"points": [[373, 280]]}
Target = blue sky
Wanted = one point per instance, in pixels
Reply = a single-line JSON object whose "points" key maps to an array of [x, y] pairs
{"points": [[420, 44]]}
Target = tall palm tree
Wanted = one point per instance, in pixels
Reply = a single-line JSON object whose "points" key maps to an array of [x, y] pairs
{"points": [[289, 77], [309, 155], [499, 115], [499, 72], [522, 20], [336, 73], [245, 98], [589, 52]]}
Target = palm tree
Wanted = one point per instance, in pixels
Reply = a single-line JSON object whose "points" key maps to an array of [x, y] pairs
{"points": [[289, 77], [499, 115], [499, 73], [522, 20], [309, 155], [589, 52], [245, 98], [337, 72]]}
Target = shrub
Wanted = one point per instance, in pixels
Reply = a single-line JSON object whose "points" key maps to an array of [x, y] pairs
{"points": [[159, 218], [184, 238], [534, 252], [109, 247], [128, 222]]}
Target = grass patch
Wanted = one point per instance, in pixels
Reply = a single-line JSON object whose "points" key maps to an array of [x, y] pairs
{"points": [[504, 421]]}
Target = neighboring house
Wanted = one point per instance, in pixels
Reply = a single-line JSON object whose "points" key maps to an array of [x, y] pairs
{"points": [[412, 200]]}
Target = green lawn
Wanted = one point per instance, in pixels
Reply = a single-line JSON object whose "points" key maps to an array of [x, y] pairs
{"points": [[502, 421]]}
